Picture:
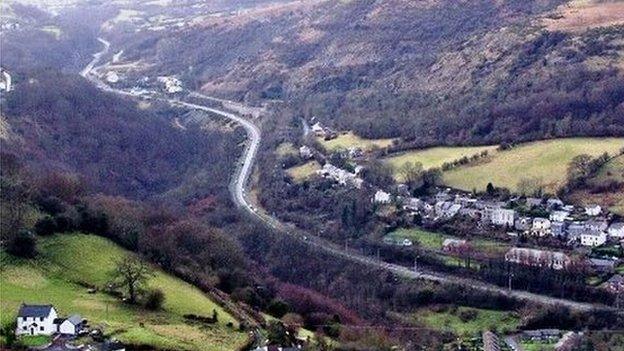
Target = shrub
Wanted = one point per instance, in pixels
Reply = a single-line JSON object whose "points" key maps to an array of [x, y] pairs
{"points": [[154, 299], [467, 315], [64, 223], [45, 226], [278, 308], [23, 244]]}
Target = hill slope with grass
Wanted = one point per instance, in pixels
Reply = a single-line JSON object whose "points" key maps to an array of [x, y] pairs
{"points": [[605, 188], [69, 263], [544, 161]]}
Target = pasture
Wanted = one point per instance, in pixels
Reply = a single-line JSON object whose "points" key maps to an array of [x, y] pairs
{"points": [[304, 171], [544, 161], [435, 156], [348, 140], [68, 263]]}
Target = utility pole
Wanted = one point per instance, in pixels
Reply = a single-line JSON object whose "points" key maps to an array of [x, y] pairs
{"points": [[378, 255], [416, 263]]}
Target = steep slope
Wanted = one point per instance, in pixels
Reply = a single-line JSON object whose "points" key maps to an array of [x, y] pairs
{"points": [[68, 262], [62, 122], [435, 72]]}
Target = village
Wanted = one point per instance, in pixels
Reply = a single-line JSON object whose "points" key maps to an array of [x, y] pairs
{"points": [[538, 231]]}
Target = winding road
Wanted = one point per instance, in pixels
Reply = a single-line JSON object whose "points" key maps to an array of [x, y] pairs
{"points": [[239, 184]]}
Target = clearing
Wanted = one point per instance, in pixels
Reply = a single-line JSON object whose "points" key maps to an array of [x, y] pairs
{"points": [[436, 156], [304, 171], [544, 161], [348, 140], [433, 241], [581, 15], [67, 263], [467, 321]]}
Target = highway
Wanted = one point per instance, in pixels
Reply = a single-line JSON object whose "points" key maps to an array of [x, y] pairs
{"points": [[240, 198]]}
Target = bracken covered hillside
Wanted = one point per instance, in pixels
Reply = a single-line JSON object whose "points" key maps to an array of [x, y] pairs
{"points": [[435, 72]]}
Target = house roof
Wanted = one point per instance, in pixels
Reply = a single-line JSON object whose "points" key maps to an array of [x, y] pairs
{"points": [[616, 279], [34, 310], [74, 319], [617, 226]]}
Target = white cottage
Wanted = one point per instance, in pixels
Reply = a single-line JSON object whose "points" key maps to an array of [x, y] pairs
{"points": [[593, 238], [381, 197], [36, 320], [593, 210], [71, 325], [616, 230]]}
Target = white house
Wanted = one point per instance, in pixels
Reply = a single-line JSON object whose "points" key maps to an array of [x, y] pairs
{"points": [[172, 85], [36, 320], [503, 217], [318, 129], [616, 230], [71, 325], [541, 226], [592, 210], [381, 197], [593, 238], [559, 216], [539, 258], [305, 152]]}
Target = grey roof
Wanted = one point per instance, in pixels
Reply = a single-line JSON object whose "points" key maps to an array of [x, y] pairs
{"points": [[601, 262], [616, 279], [34, 310], [75, 319], [618, 225]]}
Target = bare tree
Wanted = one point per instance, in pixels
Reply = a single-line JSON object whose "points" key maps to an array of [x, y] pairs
{"points": [[411, 173], [132, 273]]}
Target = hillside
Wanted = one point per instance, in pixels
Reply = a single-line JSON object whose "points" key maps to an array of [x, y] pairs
{"points": [[431, 72], [605, 188], [60, 122], [543, 161], [68, 262]]}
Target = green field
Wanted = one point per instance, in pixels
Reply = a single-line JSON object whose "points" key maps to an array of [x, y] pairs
{"points": [[304, 171], [474, 320], [433, 241], [347, 140], [537, 346], [68, 262], [546, 161], [436, 156], [285, 149], [611, 171]]}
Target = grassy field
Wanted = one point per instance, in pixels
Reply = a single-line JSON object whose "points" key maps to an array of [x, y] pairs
{"points": [[67, 262], [433, 240], [468, 321], [543, 160], [436, 156], [302, 172], [348, 140], [537, 346], [613, 171], [286, 149]]}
